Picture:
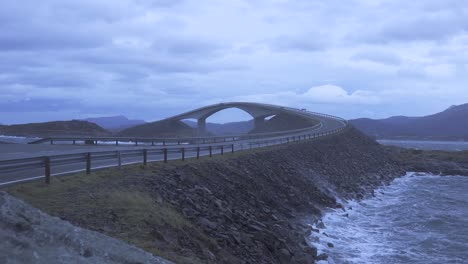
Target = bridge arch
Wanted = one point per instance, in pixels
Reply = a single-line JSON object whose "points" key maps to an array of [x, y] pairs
{"points": [[258, 112]]}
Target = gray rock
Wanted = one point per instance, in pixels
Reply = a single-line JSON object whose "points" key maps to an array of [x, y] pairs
{"points": [[207, 223], [285, 255], [322, 256], [320, 225], [28, 235]]}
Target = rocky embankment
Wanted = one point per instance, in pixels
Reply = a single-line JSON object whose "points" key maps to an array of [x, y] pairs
{"points": [[432, 161], [29, 236], [248, 207]]}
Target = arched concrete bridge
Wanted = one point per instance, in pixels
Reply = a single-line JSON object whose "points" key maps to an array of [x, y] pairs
{"points": [[17, 166], [258, 111]]}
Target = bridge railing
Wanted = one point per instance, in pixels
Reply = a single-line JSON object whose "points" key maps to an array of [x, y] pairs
{"points": [[166, 141], [68, 163]]}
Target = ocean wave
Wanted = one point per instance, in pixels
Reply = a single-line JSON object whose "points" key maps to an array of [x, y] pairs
{"points": [[416, 219]]}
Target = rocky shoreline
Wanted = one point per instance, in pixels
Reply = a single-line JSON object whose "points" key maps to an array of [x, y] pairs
{"points": [[250, 207], [437, 162]]}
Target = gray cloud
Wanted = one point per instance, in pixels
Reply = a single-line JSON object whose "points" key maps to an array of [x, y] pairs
{"points": [[419, 21], [45, 39], [378, 57], [187, 46], [305, 43], [92, 57]]}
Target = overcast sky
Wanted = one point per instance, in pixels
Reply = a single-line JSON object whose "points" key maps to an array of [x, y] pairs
{"points": [[150, 59]]}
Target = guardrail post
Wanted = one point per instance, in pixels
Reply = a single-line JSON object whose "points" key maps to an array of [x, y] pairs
{"points": [[116, 142], [152, 142], [183, 153], [136, 142], [178, 142], [51, 141], [88, 163], [198, 152], [232, 148], [119, 160], [165, 155], [74, 142], [164, 142], [47, 169], [222, 150], [145, 157], [211, 154]]}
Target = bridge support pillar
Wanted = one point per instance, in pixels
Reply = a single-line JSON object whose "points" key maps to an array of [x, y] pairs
{"points": [[201, 126], [259, 122]]}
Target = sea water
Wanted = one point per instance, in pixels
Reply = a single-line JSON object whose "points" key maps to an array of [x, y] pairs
{"points": [[419, 218], [427, 144]]}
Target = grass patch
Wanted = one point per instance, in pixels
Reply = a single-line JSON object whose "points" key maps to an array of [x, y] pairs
{"points": [[103, 202]]}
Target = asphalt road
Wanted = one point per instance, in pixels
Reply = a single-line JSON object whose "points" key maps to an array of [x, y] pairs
{"points": [[21, 151]]}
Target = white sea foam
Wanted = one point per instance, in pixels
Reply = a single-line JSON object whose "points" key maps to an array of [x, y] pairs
{"points": [[416, 219], [16, 139]]}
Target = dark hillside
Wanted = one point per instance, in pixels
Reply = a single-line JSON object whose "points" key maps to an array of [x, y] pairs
{"points": [[159, 129], [230, 128], [451, 124], [55, 128], [115, 123], [284, 122]]}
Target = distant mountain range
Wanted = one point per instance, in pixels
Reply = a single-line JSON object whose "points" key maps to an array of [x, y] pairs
{"points": [[451, 124], [115, 123]]}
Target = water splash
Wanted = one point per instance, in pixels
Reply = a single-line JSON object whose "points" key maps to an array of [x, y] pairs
{"points": [[416, 219]]}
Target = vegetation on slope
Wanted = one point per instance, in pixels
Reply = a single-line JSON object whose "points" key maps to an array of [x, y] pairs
{"points": [[164, 128], [55, 128]]}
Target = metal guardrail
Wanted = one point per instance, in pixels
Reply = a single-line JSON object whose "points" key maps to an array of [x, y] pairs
{"points": [[163, 141], [171, 141], [87, 158]]}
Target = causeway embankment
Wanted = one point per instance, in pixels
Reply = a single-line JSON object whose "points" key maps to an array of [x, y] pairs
{"points": [[248, 207]]}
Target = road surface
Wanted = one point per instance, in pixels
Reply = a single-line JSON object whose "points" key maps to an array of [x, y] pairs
{"points": [[21, 151]]}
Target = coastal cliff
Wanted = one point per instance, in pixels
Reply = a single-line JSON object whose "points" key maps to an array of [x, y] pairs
{"points": [[248, 207]]}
